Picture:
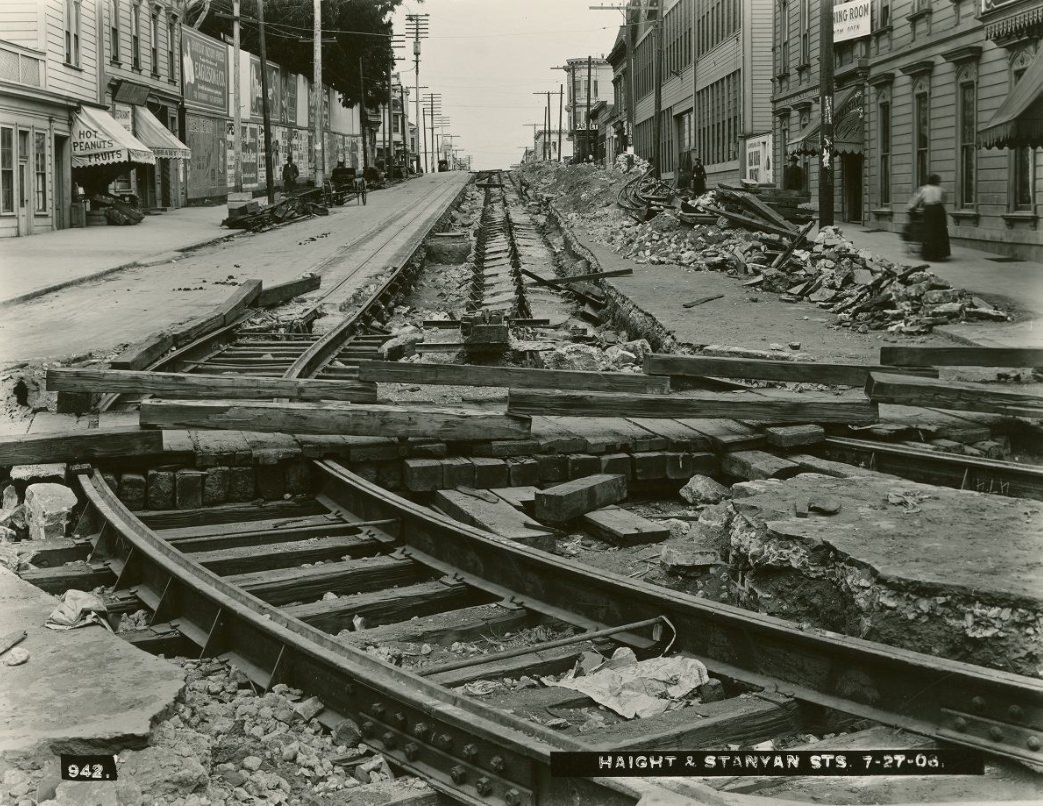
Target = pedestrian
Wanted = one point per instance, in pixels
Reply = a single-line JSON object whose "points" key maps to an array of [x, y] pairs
{"points": [[698, 177], [684, 174], [929, 201], [289, 175], [793, 175]]}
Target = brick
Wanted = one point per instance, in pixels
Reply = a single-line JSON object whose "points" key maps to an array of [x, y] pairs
{"points": [[489, 472], [298, 478], [160, 491], [188, 489], [583, 464], [271, 481], [553, 467], [617, 463], [215, 486], [241, 484], [523, 472], [457, 472], [132, 490], [649, 465], [422, 475]]}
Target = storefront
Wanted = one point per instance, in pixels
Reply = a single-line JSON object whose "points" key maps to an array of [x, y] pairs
{"points": [[103, 149]]}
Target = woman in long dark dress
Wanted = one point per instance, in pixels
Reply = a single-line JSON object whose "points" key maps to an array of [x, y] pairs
{"points": [[929, 200]]}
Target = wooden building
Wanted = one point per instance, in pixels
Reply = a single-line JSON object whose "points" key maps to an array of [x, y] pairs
{"points": [[922, 91]]}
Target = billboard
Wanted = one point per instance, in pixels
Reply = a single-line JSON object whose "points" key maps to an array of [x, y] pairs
{"points": [[852, 20], [274, 87], [204, 72], [288, 99]]}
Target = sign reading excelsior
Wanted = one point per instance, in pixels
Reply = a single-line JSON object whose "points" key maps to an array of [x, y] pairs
{"points": [[852, 20], [204, 71]]}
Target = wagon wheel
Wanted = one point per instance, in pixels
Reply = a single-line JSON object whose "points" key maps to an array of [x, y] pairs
{"points": [[362, 194]]}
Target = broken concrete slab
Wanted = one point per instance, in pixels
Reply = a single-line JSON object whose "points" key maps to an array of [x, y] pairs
{"points": [[24, 475], [704, 490], [902, 563], [48, 509], [128, 688]]}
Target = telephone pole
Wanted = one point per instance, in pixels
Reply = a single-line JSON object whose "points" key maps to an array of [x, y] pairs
{"points": [[269, 180], [825, 89], [586, 137], [363, 116], [561, 109], [237, 112], [417, 27], [657, 124], [319, 152]]}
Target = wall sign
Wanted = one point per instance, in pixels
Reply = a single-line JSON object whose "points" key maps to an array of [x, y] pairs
{"points": [[852, 20], [204, 71]]}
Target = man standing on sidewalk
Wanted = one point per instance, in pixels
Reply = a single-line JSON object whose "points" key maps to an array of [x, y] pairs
{"points": [[289, 175]]}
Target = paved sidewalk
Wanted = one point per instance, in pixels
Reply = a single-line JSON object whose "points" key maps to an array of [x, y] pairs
{"points": [[39, 264]]}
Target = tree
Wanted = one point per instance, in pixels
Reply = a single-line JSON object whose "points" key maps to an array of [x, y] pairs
{"points": [[362, 30]]}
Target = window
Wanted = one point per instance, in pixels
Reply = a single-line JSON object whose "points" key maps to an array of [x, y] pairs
{"points": [[885, 152], [1022, 158], [154, 34], [716, 122], [135, 35], [784, 22], [171, 43], [72, 32], [968, 149], [6, 169], [40, 165], [883, 13], [114, 31], [922, 128], [805, 33]]}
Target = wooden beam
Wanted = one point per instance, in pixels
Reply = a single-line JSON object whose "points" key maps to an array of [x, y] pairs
{"points": [[795, 408], [962, 356], [590, 299], [74, 446], [241, 299], [623, 527], [271, 296], [750, 223], [143, 353], [492, 513], [516, 377], [767, 370], [563, 502], [794, 244], [953, 395], [594, 275], [232, 387], [347, 577], [457, 425]]}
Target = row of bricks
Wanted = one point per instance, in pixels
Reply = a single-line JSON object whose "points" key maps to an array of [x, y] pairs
{"points": [[425, 475], [191, 489]]}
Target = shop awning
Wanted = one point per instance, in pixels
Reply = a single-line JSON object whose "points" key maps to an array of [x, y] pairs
{"points": [[97, 139], [847, 127], [1019, 120], [158, 137]]}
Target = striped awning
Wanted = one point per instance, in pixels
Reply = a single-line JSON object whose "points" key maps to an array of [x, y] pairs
{"points": [[98, 139], [1019, 120], [847, 127], [158, 137]]}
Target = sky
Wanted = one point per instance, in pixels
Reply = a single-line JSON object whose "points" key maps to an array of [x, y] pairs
{"points": [[488, 57]]}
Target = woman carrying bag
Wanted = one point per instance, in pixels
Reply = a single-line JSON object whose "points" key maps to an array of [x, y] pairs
{"points": [[928, 205]]}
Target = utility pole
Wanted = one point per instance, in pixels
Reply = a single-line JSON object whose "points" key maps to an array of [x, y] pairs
{"points": [[417, 25], [237, 113], [269, 180], [590, 85], [423, 135], [657, 124], [561, 109], [363, 116], [431, 100], [388, 156], [825, 89], [318, 155]]}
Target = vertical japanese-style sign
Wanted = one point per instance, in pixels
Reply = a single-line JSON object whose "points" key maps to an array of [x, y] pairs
{"points": [[204, 72]]}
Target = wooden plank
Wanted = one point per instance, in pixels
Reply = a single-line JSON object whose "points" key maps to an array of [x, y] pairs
{"points": [[518, 497], [492, 513], [953, 395], [791, 436], [281, 555], [458, 625], [725, 435], [74, 446], [623, 527], [751, 465], [794, 408], [563, 502], [383, 607], [79, 575], [200, 326], [962, 356], [347, 577], [755, 205], [273, 295], [241, 299], [750, 223], [144, 353], [767, 370], [609, 434], [228, 514], [678, 436], [740, 720], [175, 385], [590, 299], [594, 275], [533, 664], [794, 244], [515, 377], [458, 425]]}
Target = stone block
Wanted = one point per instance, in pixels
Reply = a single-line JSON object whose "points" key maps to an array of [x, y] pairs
{"points": [[583, 464], [489, 473], [523, 472], [215, 486], [503, 448], [617, 463], [24, 475], [684, 465], [422, 475], [751, 465], [221, 448], [160, 490], [428, 450], [457, 472], [298, 478], [791, 436], [649, 466], [271, 481], [241, 484], [704, 490], [188, 489], [272, 448], [389, 474], [553, 467], [112, 480], [132, 489], [48, 508]]}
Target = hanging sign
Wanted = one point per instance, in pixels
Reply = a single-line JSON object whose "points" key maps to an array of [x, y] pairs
{"points": [[852, 20]]}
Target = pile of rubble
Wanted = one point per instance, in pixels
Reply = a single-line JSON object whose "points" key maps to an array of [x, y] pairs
{"points": [[866, 291]]}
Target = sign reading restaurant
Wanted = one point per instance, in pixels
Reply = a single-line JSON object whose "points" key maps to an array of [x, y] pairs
{"points": [[852, 20], [204, 71]]}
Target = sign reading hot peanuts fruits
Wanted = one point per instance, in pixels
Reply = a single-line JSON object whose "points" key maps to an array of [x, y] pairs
{"points": [[852, 20]]}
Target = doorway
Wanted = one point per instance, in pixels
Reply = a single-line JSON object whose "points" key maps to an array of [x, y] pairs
{"points": [[61, 185], [851, 165], [25, 209]]}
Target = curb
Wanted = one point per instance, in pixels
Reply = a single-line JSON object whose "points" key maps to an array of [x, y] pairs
{"points": [[143, 262]]}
